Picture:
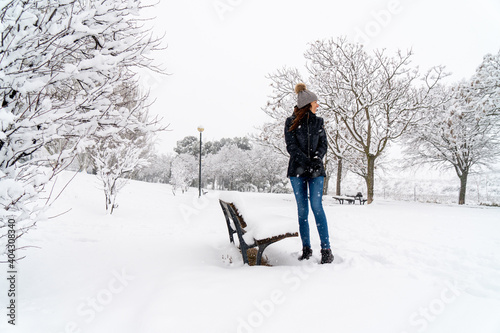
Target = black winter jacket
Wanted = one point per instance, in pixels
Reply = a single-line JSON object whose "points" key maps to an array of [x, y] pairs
{"points": [[307, 145]]}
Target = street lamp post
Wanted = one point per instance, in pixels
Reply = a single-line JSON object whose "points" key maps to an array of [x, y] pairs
{"points": [[200, 129]]}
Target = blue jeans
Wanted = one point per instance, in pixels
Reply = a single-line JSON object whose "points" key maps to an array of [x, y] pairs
{"points": [[300, 187]]}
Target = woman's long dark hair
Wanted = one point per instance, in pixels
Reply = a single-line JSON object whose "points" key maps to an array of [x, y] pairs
{"points": [[299, 115]]}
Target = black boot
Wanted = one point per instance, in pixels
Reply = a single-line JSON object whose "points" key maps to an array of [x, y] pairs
{"points": [[326, 256], [306, 253]]}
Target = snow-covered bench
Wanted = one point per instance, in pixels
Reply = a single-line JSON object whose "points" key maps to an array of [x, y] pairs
{"points": [[342, 198], [252, 234], [351, 199]]}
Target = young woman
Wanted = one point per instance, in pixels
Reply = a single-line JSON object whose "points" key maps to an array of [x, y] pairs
{"points": [[306, 143]]}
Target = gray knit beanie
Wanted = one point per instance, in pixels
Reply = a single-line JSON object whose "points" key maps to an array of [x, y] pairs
{"points": [[304, 96]]}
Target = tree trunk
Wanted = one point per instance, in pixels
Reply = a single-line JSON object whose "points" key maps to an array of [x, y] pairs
{"points": [[107, 202], [339, 177], [463, 187], [325, 184], [370, 178]]}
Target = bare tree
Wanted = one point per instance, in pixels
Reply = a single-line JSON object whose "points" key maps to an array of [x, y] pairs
{"points": [[268, 168], [117, 154], [463, 134], [279, 107], [184, 171], [157, 171], [375, 97], [485, 85], [346, 158]]}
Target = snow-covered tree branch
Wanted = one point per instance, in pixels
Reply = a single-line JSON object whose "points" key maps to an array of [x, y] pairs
{"points": [[463, 133], [60, 63], [375, 97]]}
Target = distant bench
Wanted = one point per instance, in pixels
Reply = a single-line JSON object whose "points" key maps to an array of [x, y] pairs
{"points": [[342, 198], [237, 225], [350, 199]]}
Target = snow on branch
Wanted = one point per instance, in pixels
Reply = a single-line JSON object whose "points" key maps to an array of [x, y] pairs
{"points": [[60, 65]]}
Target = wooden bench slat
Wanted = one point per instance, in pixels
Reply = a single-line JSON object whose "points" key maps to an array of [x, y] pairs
{"points": [[276, 238]]}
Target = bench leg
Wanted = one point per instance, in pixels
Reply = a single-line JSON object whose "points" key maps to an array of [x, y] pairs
{"points": [[260, 252], [244, 249]]}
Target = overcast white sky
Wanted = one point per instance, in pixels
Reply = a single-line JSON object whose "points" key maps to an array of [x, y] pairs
{"points": [[220, 51]]}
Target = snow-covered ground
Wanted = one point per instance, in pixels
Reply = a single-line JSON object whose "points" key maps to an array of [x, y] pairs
{"points": [[163, 263]]}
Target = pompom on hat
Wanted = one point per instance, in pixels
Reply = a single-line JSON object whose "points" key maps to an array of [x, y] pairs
{"points": [[304, 96]]}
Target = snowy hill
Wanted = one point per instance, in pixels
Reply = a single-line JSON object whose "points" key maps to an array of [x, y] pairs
{"points": [[163, 263]]}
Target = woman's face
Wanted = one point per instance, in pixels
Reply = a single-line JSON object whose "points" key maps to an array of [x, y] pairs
{"points": [[314, 106]]}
